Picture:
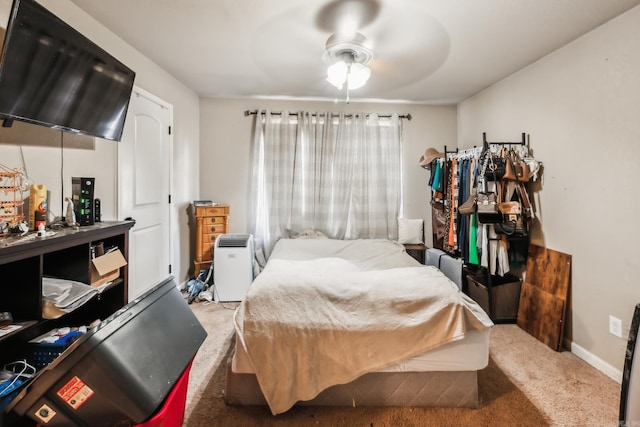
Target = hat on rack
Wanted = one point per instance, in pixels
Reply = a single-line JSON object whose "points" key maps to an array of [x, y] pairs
{"points": [[430, 155]]}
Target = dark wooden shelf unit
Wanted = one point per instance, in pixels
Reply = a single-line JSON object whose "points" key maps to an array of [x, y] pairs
{"points": [[67, 254]]}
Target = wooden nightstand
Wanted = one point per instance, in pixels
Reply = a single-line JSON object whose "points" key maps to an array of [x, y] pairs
{"points": [[211, 221], [416, 250]]}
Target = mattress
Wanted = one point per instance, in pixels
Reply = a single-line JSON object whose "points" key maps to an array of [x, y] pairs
{"points": [[326, 312], [468, 354]]}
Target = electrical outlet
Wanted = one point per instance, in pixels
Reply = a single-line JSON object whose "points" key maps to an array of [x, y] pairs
{"points": [[615, 326]]}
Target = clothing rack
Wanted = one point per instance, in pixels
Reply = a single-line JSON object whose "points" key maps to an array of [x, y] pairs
{"points": [[444, 169], [489, 281], [449, 152], [473, 151], [278, 113], [486, 146]]}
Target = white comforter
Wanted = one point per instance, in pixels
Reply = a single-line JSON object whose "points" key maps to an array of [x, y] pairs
{"points": [[324, 312]]}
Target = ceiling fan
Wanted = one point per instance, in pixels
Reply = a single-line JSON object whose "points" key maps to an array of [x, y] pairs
{"points": [[347, 51], [386, 44]]}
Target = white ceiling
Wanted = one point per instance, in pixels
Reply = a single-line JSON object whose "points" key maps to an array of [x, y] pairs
{"points": [[425, 51]]}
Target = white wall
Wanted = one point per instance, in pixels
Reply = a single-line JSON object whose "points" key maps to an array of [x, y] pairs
{"points": [[98, 158], [580, 107], [226, 140]]}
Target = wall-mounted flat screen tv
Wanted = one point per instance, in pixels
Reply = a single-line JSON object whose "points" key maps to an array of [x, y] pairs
{"points": [[51, 75]]}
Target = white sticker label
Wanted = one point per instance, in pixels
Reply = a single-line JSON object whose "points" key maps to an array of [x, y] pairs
{"points": [[75, 392]]}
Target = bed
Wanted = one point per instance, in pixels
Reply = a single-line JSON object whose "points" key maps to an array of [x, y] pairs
{"points": [[357, 323]]}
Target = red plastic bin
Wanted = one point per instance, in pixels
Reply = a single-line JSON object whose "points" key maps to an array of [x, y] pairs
{"points": [[171, 414]]}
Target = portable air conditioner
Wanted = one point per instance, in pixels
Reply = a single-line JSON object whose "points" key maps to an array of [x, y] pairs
{"points": [[232, 266]]}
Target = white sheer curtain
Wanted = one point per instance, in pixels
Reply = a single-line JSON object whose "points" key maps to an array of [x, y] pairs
{"points": [[337, 175]]}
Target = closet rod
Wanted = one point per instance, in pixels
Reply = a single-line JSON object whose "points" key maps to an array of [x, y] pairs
{"points": [[486, 143], [449, 152], [277, 113]]}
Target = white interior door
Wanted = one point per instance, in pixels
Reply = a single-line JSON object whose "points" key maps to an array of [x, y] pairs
{"points": [[144, 181]]}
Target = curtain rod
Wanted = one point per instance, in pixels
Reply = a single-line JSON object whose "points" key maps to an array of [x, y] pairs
{"points": [[277, 113]]}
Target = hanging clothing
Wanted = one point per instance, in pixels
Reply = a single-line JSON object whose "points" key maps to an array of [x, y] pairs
{"points": [[453, 213], [473, 248], [463, 220], [447, 201], [473, 221], [436, 182], [454, 179]]}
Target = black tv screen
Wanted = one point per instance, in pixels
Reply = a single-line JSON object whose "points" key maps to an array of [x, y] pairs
{"points": [[52, 75]]}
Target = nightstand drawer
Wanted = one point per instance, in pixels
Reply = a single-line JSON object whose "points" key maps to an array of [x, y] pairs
{"points": [[212, 210], [214, 220], [213, 228], [209, 239]]}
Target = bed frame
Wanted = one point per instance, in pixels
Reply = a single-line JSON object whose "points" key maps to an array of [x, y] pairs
{"points": [[454, 389], [380, 388]]}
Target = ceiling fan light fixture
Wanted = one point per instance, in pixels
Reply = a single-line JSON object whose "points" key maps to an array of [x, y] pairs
{"points": [[337, 74], [355, 75], [358, 75], [348, 57]]}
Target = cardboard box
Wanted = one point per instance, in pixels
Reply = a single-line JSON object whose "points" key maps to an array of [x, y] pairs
{"points": [[106, 268]]}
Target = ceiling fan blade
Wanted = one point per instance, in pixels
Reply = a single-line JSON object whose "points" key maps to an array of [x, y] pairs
{"points": [[347, 16], [395, 47], [289, 40], [282, 46]]}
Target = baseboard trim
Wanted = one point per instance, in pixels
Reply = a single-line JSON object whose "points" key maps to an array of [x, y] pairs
{"points": [[607, 369]]}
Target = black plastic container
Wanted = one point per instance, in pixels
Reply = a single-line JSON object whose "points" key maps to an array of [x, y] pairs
{"points": [[500, 300], [119, 373]]}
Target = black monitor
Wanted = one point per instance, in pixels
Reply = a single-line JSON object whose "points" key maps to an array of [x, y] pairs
{"points": [[51, 75]]}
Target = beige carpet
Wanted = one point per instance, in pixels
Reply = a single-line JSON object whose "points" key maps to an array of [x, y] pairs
{"points": [[525, 384]]}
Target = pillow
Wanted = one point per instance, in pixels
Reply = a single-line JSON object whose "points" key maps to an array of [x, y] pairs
{"points": [[307, 234], [410, 231]]}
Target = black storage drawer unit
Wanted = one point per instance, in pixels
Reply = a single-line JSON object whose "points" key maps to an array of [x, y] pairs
{"points": [[500, 300]]}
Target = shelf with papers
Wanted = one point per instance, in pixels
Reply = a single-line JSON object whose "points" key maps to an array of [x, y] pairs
{"points": [[66, 254]]}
